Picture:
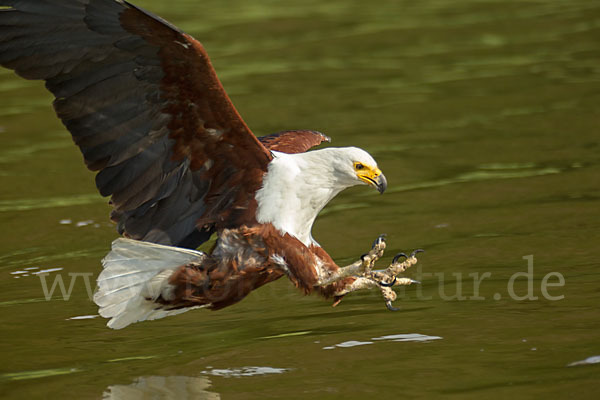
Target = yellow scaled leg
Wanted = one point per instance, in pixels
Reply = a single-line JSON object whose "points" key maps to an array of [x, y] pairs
{"points": [[367, 278]]}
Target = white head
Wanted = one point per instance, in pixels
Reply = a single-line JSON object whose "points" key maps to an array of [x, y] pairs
{"points": [[350, 166], [297, 186]]}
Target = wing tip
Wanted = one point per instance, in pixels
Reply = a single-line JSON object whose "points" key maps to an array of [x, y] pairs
{"points": [[325, 137]]}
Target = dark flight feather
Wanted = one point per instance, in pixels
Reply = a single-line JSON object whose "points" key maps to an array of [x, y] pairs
{"points": [[146, 109]]}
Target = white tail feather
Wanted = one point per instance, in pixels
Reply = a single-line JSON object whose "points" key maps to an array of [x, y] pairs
{"points": [[135, 271]]}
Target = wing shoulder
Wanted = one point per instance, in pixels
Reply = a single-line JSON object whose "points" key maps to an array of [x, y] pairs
{"points": [[291, 142]]}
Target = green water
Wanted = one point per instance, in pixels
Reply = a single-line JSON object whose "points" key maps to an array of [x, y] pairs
{"points": [[484, 116]]}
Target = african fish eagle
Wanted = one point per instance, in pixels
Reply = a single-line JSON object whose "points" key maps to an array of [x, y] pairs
{"points": [[143, 103]]}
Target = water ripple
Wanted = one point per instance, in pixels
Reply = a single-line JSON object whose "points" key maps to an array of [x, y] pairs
{"points": [[42, 373], [35, 204], [587, 361], [481, 175], [402, 337], [244, 371]]}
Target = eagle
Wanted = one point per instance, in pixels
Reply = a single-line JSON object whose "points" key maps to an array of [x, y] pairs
{"points": [[147, 111]]}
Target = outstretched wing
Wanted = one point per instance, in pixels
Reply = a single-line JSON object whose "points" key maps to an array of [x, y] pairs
{"points": [[144, 105], [292, 142]]}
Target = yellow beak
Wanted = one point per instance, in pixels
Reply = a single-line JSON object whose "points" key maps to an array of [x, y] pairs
{"points": [[373, 177]]}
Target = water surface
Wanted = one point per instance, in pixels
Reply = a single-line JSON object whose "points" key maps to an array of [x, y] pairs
{"points": [[483, 115]]}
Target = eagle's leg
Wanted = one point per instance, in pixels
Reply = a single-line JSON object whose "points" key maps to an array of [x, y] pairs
{"points": [[359, 267], [383, 279]]}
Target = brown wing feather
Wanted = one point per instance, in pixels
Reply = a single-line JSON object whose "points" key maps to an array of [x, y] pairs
{"points": [[144, 105], [291, 142]]}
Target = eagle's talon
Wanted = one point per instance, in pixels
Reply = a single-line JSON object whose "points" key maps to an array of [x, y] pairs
{"points": [[385, 280], [390, 307], [398, 256], [382, 283], [414, 253], [380, 239]]}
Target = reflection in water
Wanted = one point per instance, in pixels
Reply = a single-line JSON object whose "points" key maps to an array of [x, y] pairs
{"points": [[162, 387]]}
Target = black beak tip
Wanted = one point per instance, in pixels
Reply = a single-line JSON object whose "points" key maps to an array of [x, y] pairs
{"points": [[381, 184]]}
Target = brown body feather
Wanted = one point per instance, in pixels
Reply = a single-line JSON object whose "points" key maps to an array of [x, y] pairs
{"points": [[244, 259]]}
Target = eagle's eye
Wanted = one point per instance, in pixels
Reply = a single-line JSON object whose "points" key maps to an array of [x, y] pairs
{"points": [[358, 166]]}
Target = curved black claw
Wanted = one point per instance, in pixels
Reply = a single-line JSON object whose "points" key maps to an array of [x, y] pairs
{"points": [[414, 253], [398, 256], [388, 284], [390, 307], [380, 238]]}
